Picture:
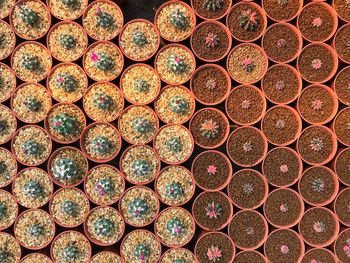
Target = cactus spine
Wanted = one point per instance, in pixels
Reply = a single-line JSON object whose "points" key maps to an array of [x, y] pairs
{"points": [[32, 189], [67, 41], [67, 82], [102, 101], [64, 124], [174, 144], [140, 167], [65, 169], [103, 227], [138, 208], [141, 125]]}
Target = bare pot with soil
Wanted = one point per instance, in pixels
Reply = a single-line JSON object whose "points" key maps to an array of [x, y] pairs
{"points": [[341, 85]]}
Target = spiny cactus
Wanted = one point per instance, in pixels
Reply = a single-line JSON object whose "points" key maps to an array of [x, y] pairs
{"points": [[283, 2], [138, 208], [102, 61], [316, 144], [64, 124], [248, 20], [248, 65], [212, 169], [29, 16], [65, 169], [2, 39], [174, 144], [141, 125], [3, 167], [70, 253], [33, 189], [31, 62], [103, 18], [3, 255], [178, 104], [318, 185], [101, 145], [68, 207], [211, 40], [32, 148], [103, 227], [142, 252], [179, 19], [141, 85], [177, 64], [102, 101], [213, 5], [105, 186], [140, 167], [179, 260], [248, 188], [175, 227], [36, 230], [214, 254], [67, 41], [213, 210], [211, 84], [3, 126], [33, 104], [67, 82], [209, 129], [174, 190], [71, 4], [139, 38], [3, 210]]}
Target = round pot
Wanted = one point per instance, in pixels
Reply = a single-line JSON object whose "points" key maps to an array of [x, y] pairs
{"points": [[16, 168], [333, 126], [291, 18], [347, 224], [14, 36], [73, 18], [162, 259], [34, 254], [342, 99], [335, 163], [339, 9], [2, 108], [16, 209], [3, 65], [251, 252], [342, 258], [210, 19], [335, 259], [335, 46]]}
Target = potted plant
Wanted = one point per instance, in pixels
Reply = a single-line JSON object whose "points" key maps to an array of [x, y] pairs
{"points": [[319, 227], [282, 10], [341, 85], [342, 9], [139, 164], [106, 256], [285, 245], [174, 254], [104, 184], [212, 170], [341, 45], [341, 166], [69, 207], [174, 185], [248, 189], [211, 9], [249, 256], [317, 144], [8, 82], [281, 125], [174, 227], [281, 84], [140, 84], [32, 187], [210, 84], [8, 209], [247, 63], [317, 254], [6, 8], [245, 105], [103, 20], [246, 21], [7, 39], [8, 167], [282, 42], [248, 229], [341, 206], [175, 64], [341, 126], [282, 167], [8, 124], [67, 10], [31, 102], [341, 246], [36, 257], [173, 143], [175, 20], [10, 247], [139, 40]]}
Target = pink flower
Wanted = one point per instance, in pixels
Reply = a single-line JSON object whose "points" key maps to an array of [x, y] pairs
{"points": [[98, 11], [247, 147], [246, 62], [284, 168], [214, 253], [319, 227], [317, 22], [316, 104], [57, 123], [283, 208], [60, 79], [245, 104], [212, 169], [250, 230], [314, 261], [178, 59], [95, 57], [213, 210], [284, 249], [316, 63], [281, 42], [316, 144]]}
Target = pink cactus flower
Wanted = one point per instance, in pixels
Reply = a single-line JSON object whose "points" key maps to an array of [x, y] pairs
{"points": [[316, 144], [214, 254], [211, 40], [250, 230], [284, 249], [314, 261], [284, 208], [57, 123], [284, 168], [281, 42], [247, 147], [280, 85], [100, 190], [211, 84], [142, 257], [245, 104], [316, 63], [246, 62], [317, 104], [98, 11], [178, 59], [317, 22], [346, 248], [212, 169], [95, 57], [60, 79], [319, 227], [213, 210]]}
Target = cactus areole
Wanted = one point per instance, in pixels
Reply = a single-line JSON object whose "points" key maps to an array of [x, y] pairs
{"points": [[67, 41], [178, 104], [36, 230], [64, 124], [67, 82], [65, 169], [101, 145], [140, 167], [70, 253], [142, 252], [141, 125], [103, 227], [68, 207], [138, 208]]}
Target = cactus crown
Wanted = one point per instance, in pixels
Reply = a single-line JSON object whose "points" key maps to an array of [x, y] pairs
{"points": [[102, 101], [32, 148], [175, 227], [3, 126], [101, 145], [33, 104], [103, 227], [141, 125], [36, 230], [173, 190], [318, 185], [33, 189], [212, 40], [248, 20], [138, 208], [68, 207], [248, 65], [316, 144], [64, 124], [29, 16], [103, 18], [67, 82], [214, 254], [179, 19], [213, 5], [248, 188], [3, 167], [141, 85], [3, 254], [31, 62], [102, 61], [70, 253], [139, 38], [65, 169], [282, 2], [142, 252], [177, 64], [140, 167], [105, 186], [3, 210], [178, 104], [71, 4], [213, 210], [209, 129], [174, 144], [179, 260], [67, 41]]}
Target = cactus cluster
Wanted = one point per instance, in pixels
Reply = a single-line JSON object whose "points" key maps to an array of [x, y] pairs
{"points": [[141, 125], [140, 167], [104, 186], [138, 208], [174, 190], [36, 230], [3, 255], [29, 16], [102, 61], [67, 82], [213, 5], [68, 207], [64, 124], [175, 227], [101, 145], [178, 104], [248, 20], [70, 253], [103, 227], [3, 210], [71, 4], [31, 62], [212, 40], [32, 148], [142, 252], [179, 19], [248, 65], [64, 169], [177, 64], [67, 41], [33, 189], [33, 104], [103, 18], [102, 101], [141, 85], [139, 38], [174, 144], [209, 129]]}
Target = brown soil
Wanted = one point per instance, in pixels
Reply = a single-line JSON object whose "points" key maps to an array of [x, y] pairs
{"points": [[281, 12], [315, 144], [203, 82], [235, 27], [245, 105], [306, 22], [280, 125], [312, 220], [320, 255], [341, 243], [247, 189], [280, 84], [249, 257], [281, 166], [201, 167], [202, 50], [285, 238], [282, 207], [312, 54], [246, 146], [342, 167], [342, 85], [310, 187], [342, 206], [211, 14], [342, 126], [280, 43], [199, 119], [247, 229], [217, 240], [342, 43], [203, 201], [342, 9], [316, 104]]}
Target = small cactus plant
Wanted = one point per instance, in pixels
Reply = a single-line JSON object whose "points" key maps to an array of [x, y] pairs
{"points": [[2, 39], [139, 38], [142, 252], [68, 207], [247, 147], [101, 145], [174, 190], [316, 144], [248, 188], [212, 40], [36, 230], [103, 227], [30, 62], [141, 125], [283, 2], [347, 45], [318, 185], [3, 210], [32, 148], [71, 4], [317, 104], [102, 101], [64, 124], [105, 186], [212, 169], [316, 63], [319, 227], [67, 82], [177, 64], [29, 16], [33, 189], [138, 208], [67, 41], [178, 104], [103, 18], [3, 126], [248, 65], [317, 22], [175, 227], [211, 84], [214, 254], [213, 5], [284, 249], [248, 20], [3, 167], [141, 85], [102, 61], [70, 253], [174, 144], [140, 167], [3, 255], [64, 169], [209, 129], [213, 210], [33, 104], [179, 19]]}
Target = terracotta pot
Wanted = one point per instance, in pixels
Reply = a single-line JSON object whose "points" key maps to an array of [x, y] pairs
{"points": [[3, 107], [16, 168], [334, 86], [162, 260], [211, 19], [107, 251], [338, 8], [333, 126], [346, 224], [254, 252], [16, 209], [342, 258], [33, 254], [291, 18], [3, 65], [13, 47], [334, 165], [335, 46], [47, 2], [335, 259]]}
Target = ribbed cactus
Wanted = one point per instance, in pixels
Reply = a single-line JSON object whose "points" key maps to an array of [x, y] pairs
{"points": [[213, 5], [142, 252], [179, 19], [70, 253], [3, 167], [174, 190], [104, 62], [175, 227], [103, 18], [65, 169], [3, 210], [32, 148], [103, 227], [177, 64], [174, 144], [68, 207], [105, 186], [32, 104], [3, 126], [102, 101], [138, 208], [29, 16], [64, 124], [141, 85], [67, 41], [3, 255], [248, 20], [178, 104], [139, 38], [141, 125], [101, 145], [30, 62], [36, 230], [140, 167], [32, 189], [71, 4], [67, 82], [209, 129]]}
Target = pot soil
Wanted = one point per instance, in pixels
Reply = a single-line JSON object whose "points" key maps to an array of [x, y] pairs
{"points": [[106, 256], [9, 211], [8, 124], [245, 105], [318, 186], [248, 189], [341, 207], [341, 126], [214, 246], [317, 144], [212, 210], [317, 104], [342, 245], [319, 227], [10, 246], [341, 166], [341, 85], [211, 170], [66, 11], [319, 255], [283, 208], [176, 254], [8, 82], [282, 42], [282, 10], [342, 9], [249, 256], [282, 167], [342, 44], [284, 246], [210, 84], [8, 165], [248, 229], [36, 257], [317, 22], [8, 39], [212, 9]]}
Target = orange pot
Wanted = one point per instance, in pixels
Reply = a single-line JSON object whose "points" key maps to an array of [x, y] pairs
{"points": [[216, 18], [12, 48]]}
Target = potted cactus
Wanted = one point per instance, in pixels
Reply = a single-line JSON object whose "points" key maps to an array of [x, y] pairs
{"points": [[317, 254], [282, 10], [178, 255], [341, 44], [341, 166], [342, 245], [342, 9], [6, 6], [341, 85], [211, 9], [106, 256], [7, 82], [8, 167], [10, 249], [250, 256], [8, 209], [7, 40], [341, 206], [341, 126], [36, 257], [8, 124], [67, 9]]}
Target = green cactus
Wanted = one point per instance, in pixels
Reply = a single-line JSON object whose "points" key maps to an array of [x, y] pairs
{"points": [[3, 167], [177, 64], [175, 227], [141, 85], [33, 189], [36, 230], [65, 169], [30, 62], [68, 207], [3, 211], [64, 124], [142, 252], [33, 104], [67, 82], [32, 148], [180, 260], [179, 20], [3, 255], [138, 208], [3, 126], [213, 5], [209, 129], [29, 16], [102, 101], [104, 62], [103, 227], [67, 41], [101, 145], [178, 104], [140, 167], [105, 186], [174, 144], [248, 20], [104, 19], [141, 125], [70, 253], [71, 4], [174, 190], [139, 38]]}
